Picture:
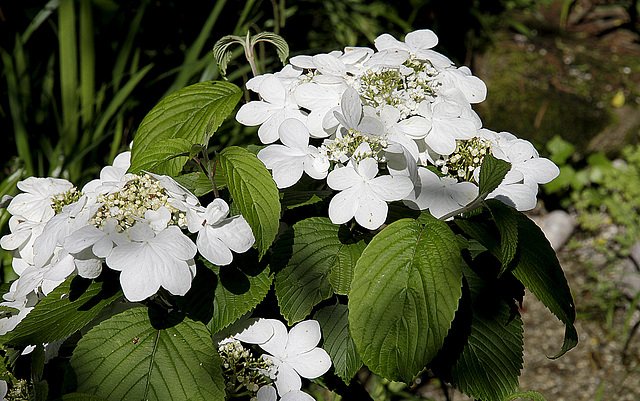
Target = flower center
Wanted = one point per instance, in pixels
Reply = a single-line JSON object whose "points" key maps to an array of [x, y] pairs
{"points": [[139, 194], [349, 146], [402, 89], [65, 198], [467, 157]]}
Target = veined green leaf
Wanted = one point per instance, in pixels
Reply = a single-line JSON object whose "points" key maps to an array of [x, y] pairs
{"points": [[318, 247], [66, 309], [81, 397], [404, 296], [254, 192], [142, 355], [192, 113], [337, 340], [507, 223], [492, 173], [238, 288], [536, 266], [166, 157], [294, 199], [489, 364]]}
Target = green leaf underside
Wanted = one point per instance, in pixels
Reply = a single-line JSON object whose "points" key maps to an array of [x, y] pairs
{"points": [[254, 192], [492, 173], [66, 309], [491, 360], [334, 321], [192, 113], [126, 358], [319, 251], [404, 296], [536, 266], [161, 157], [507, 224]]}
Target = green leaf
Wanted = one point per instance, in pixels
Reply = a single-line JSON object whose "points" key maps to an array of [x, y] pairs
{"points": [[141, 354], [198, 182], [192, 113], [81, 397], [293, 199], [282, 48], [507, 223], [319, 246], [254, 192], [66, 309], [239, 288], [166, 157], [404, 295], [491, 359], [531, 395], [492, 173], [536, 266], [334, 321]]}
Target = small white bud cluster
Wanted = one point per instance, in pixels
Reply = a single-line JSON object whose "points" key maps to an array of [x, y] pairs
{"points": [[468, 156], [242, 369], [343, 148], [403, 90], [63, 199], [139, 194]]}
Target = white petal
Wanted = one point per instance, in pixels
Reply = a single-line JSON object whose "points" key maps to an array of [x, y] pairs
{"points": [[343, 178], [236, 233], [276, 345], [294, 134], [266, 393], [287, 379], [311, 364], [304, 336], [372, 211], [344, 205], [257, 331], [421, 39], [296, 395], [212, 248]]}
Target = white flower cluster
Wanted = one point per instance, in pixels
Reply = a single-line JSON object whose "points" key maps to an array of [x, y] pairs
{"points": [[382, 122], [133, 223], [293, 354]]}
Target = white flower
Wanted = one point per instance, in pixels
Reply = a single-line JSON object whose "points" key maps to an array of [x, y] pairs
{"points": [[440, 195], [363, 195], [474, 89], [72, 217], [296, 354], [101, 241], [277, 105], [217, 234], [3, 390], [152, 260], [288, 161], [321, 100], [415, 42], [447, 125], [112, 178], [35, 202]]}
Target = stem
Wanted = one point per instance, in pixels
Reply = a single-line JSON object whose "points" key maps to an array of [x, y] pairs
{"points": [[248, 53], [471, 206], [211, 172]]}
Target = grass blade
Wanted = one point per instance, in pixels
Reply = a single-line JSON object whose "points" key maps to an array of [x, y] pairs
{"points": [[67, 43]]}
